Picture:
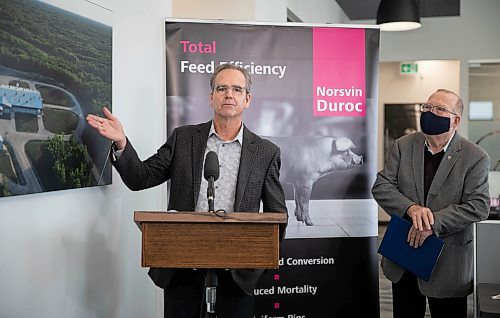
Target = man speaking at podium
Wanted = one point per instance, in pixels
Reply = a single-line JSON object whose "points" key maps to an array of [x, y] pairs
{"points": [[249, 174]]}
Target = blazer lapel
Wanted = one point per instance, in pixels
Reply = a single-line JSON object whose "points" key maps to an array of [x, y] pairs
{"points": [[199, 145], [449, 159], [418, 168], [248, 152]]}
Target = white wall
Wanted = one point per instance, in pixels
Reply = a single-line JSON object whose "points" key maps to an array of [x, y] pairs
{"points": [[76, 253], [215, 9], [236, 10], [318, 11], [270, 11]]}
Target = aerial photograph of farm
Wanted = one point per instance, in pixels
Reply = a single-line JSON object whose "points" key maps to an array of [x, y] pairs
{"points": [[55, 68]]}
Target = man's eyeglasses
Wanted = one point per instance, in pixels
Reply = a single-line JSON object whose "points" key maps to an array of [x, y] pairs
{"points": [[235, 89], [436, 109]]}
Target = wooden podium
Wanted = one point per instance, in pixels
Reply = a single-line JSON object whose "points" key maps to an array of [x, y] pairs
{"points": [[204, 240]]}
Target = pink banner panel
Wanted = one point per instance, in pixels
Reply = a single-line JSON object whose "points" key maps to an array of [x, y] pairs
{"points": [[339, 72]]}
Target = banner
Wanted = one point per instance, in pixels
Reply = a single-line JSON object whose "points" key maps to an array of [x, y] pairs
{"points": [[314, 94]]}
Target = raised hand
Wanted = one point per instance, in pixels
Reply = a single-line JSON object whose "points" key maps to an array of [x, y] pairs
{"points": [[109, 127]]}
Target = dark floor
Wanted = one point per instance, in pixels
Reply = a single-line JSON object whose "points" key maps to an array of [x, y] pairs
{"points": [[385, 291]]}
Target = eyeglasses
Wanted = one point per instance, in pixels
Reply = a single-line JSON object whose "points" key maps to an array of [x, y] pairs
{"points": [[436, 109], [235, 89]]}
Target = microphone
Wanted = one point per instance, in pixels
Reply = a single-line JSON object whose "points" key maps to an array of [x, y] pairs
{"points": [[211, 174]]}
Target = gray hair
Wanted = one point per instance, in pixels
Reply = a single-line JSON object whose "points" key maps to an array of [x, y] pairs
{"points": [[227, 66], [459, 104]]}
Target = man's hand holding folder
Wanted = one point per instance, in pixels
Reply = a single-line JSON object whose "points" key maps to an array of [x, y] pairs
{"points": [[414, 250], [416, 237], [423, 219], [421, 216]]}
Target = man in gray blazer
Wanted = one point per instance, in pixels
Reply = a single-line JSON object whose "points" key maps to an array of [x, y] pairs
{"points": [[249, 175], [439, 181]]}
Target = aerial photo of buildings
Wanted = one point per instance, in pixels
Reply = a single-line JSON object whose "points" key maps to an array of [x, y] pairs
{"points": [[55, 68]]}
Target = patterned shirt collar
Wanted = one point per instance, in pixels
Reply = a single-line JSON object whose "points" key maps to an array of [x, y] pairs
{"points": [[239, 136]]}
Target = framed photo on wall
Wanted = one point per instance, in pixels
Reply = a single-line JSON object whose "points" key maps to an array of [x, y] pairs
{"points": [[399, 120]]}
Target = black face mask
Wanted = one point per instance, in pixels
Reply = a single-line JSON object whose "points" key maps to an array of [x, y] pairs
{"points": [[433, 124]]}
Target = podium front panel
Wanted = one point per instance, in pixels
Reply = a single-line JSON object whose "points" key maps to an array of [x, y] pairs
{"points": [[210, 245]]}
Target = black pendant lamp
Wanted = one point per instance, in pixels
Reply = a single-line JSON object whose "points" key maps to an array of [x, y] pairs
{"points": [[398, 15]]}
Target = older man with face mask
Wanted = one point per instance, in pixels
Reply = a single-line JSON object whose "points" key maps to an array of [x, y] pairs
{"points": [[438, 180]]}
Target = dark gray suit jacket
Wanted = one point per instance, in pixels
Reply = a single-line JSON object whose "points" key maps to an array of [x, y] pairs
{"points": [[458, 197], [180, 160]]}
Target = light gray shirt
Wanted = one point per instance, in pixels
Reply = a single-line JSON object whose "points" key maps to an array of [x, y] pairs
{"points": [[229, 153]]}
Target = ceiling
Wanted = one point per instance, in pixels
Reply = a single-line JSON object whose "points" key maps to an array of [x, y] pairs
{"points": [[367, 9]]}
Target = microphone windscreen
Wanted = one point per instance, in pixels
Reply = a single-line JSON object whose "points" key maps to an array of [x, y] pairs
{"points": [[211, 168]]}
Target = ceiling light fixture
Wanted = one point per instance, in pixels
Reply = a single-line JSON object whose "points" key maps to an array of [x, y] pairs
{"points": [[398, 15]]}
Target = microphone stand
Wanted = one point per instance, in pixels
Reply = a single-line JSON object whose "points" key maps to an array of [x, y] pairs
{"points": [[211, 274], [211, 292]]}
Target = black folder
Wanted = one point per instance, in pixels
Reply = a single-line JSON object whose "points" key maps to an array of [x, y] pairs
{"points": [[421, 260]]}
